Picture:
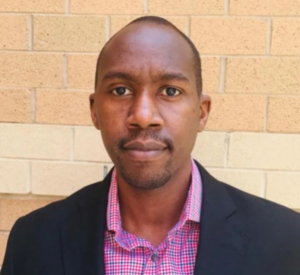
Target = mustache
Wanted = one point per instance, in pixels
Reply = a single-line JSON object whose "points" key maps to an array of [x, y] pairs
{"points": [[149, 134]]}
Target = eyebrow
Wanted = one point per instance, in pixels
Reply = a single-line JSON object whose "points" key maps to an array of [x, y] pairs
{"points": [[173, 76], [117, 75], [159, 77]]}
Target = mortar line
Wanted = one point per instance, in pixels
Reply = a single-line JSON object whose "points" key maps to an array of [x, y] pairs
{"points": [[65, 71], [188, 30], [108, 27], [33, 105], [222, 76], [45, 125], [257, 16], [227, 3], [269, 36], [91, 126], [86, 162], [58, 161], [266, 114], [44, 88], [67, 6], [30, 33], [146, 7], [226, 151], [29, 196], [105, 168], [29, 184], [91, 91], [72, 145], [265, 185], [263, 56]]}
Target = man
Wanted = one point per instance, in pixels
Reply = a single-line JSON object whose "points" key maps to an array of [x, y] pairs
{"points": [[158, 211]]}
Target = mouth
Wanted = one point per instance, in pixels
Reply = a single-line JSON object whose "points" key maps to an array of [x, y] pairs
{"points": [[145, 150]]}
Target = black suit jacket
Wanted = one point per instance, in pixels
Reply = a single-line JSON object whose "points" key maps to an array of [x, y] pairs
{"points": [[240, 234]]}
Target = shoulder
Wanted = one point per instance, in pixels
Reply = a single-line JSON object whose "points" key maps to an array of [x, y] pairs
{"points": [[273, 231], [40, 233], [263, 220], [252, 208], [259, 208], [40, 230], [51, 216], [269, 226]]}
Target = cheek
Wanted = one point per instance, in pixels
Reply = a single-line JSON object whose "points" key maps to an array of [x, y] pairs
{"points": [[183, 124], [112, 120], [184, 115]]}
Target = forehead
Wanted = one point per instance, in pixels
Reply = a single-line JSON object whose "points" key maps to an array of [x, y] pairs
{"points": [[147, 48]]}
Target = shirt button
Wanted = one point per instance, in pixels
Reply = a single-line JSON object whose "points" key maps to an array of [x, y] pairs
{"points": [[154, 258]]}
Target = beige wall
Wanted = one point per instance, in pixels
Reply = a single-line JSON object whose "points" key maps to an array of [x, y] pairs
{"points": [[48, 50]]}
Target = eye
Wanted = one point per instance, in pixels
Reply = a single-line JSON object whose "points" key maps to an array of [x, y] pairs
{"points": [[120, 91], [170, 91]]}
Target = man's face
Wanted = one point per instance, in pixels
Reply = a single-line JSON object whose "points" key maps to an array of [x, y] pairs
{"points": [[146, 104]]}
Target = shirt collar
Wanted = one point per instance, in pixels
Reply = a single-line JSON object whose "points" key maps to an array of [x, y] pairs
{"points": [[191, 210]]}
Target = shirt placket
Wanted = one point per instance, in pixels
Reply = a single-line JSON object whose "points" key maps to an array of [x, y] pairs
{"points": [[152, 261]]}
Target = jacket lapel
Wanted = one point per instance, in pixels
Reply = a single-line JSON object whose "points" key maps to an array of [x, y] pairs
{"points": [[221, 247], [223, 240], [83, 233]]}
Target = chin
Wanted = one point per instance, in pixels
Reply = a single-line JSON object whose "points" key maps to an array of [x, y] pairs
{"points": [[146, 176], [147, 181]]}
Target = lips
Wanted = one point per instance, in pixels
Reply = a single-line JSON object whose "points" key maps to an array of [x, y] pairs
{"points": [[144, 150], [140, 145]]}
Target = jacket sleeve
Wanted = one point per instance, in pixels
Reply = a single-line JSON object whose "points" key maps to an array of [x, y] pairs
{"points": [[8, 262]]}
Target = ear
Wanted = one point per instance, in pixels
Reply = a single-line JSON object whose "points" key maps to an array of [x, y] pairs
{"points": [[93, 110], [205, 106]]}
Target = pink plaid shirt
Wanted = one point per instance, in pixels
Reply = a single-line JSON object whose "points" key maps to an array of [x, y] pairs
{"points": [[127, 254]]}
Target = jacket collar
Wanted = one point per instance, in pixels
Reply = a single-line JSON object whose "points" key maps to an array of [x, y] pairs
{"points": [[83, 233], [223, 239], [221, 246]]}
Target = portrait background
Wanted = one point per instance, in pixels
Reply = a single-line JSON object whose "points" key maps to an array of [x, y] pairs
{"points": [[48, 50]]}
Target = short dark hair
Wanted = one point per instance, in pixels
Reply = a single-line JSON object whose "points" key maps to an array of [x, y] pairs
{"points": [[162, 21]]}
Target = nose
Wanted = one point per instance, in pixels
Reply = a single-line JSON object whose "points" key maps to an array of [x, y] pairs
{"points": [[144, 112]]}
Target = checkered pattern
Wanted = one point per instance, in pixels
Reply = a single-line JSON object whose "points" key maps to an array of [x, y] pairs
{"points": [[127, 254]]}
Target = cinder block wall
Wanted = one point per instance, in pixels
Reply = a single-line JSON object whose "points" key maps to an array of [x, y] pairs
{"points": [[48, 51]]}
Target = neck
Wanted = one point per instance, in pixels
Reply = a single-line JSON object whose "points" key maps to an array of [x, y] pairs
{"points": [[151, 214]]}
